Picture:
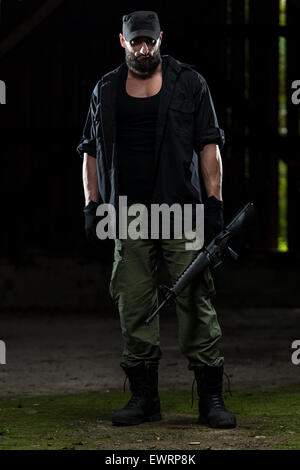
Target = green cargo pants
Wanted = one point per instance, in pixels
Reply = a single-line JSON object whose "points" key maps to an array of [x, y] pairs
{"points": [[133, 287]]}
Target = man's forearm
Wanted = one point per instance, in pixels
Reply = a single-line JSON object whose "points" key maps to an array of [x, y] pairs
{"points": [[212, 170], [90, 179]]}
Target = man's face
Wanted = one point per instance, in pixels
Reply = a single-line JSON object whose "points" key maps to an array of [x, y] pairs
{"points": [[142, 54]]}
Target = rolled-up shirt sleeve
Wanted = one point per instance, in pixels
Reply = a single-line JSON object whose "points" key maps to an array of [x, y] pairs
{"points": [[87, 143], [207, 128]]}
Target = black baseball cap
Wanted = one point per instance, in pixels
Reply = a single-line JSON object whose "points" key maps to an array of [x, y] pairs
{"points": [[141, 23]]}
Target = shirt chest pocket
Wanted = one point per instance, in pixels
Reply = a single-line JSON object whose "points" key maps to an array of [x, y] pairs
{"points": [[181, 115]]}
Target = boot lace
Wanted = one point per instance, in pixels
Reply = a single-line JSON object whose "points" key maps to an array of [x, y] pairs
{"points": [[193, 392], [228, 384], [124, 384], [217, 401], [214, 397], [135, 398]]}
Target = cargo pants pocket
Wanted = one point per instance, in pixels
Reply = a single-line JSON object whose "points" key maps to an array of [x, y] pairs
{"points": [[117, 266]]}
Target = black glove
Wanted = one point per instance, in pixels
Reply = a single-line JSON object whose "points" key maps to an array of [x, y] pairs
{"points": [[91, 220], [213, 218]]}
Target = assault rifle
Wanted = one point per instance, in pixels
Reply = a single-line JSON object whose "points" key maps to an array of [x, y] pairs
{"points": [[210, 255]]}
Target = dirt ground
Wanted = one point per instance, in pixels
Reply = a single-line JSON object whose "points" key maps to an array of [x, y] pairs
{"points": [[62, 354]]}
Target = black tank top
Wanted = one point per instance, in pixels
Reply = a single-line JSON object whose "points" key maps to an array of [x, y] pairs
{"points": [[136, 127]]}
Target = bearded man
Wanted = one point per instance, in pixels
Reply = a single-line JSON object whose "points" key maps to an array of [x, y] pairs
{"points": [[150, 130]]}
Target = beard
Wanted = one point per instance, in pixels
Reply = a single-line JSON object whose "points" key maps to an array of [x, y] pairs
{"points": [[142, 65]]}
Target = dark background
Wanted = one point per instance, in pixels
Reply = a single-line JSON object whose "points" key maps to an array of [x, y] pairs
{"points": [[53, 52]]}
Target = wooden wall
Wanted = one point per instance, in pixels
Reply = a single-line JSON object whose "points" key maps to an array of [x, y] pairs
{"points": [[50, 76]]}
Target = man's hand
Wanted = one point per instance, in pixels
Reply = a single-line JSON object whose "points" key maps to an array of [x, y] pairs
{"points": [[213, 218], [91, 193], [211, 168], [91, 220]]}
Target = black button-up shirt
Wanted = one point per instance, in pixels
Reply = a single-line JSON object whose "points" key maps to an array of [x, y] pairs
{"points": [[186, 123]]}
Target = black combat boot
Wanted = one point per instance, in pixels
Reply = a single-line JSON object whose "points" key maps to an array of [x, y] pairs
{"points": [[144, 404], [212, 410]]}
